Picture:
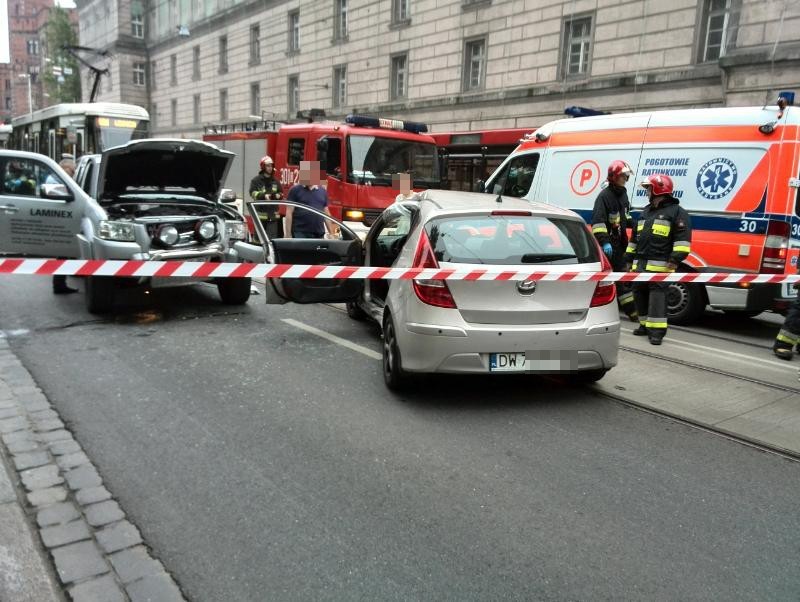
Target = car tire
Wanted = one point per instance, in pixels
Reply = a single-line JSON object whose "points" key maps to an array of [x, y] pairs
{"points": [[394, 376], [234, 291], [99, 294], [355, 312], [686, 302], [587, 377]]}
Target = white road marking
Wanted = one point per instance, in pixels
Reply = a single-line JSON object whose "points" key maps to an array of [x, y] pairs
{"points": [[333, 338], [740, 356]]}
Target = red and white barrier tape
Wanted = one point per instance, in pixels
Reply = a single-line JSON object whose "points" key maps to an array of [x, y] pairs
{"points": [[194, 269]]}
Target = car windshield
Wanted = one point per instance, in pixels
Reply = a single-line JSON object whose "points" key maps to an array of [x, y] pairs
{"points": [[372, 160], [116, 132], [510, 240]]}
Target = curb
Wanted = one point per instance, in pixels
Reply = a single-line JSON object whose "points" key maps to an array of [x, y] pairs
{"points": [[96, 552]]}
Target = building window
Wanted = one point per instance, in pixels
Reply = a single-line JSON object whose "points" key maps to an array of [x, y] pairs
{"points": [[138, 74], [401, 11], [223, 104], [340, 19], [399, 84], [173, 112], [195, 63], [255, 44], [173, 70], [293, 94], [474, 64], [340, 86], [196, 109], [8, 103], [33, 46], [153, 75], [255, 99], [223, 54], [294, 31], [718, 24], [577, 49], [137, 25]]}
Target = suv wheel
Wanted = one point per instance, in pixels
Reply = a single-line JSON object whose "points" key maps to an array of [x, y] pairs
{"points": [[99, 294], [234, 291]]}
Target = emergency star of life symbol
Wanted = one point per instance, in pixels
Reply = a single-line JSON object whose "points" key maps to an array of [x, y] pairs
{"points": [[716, 178]]}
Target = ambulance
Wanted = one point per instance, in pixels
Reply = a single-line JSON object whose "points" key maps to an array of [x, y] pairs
{"points": [[357, 157], [736, 171]]}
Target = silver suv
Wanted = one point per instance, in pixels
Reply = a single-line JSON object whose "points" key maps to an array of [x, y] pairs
{"points": [[153, 199]]}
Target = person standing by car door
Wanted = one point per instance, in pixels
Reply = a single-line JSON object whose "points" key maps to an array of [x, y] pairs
{"points": [[789, 334], [660, 241], [305, 224], [265, 187], [610, 220]]}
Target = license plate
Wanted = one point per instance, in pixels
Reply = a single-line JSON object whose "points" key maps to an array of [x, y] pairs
{"points": [[507, 362]]}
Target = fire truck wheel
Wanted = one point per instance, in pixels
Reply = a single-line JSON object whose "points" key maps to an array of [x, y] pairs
{"points": [[686, 302], [354, 311], [99, 295], [234, 291]]}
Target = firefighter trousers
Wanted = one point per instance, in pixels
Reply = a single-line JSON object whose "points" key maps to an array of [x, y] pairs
{"points": [[624, 289], [651, 303], [789, 335]]}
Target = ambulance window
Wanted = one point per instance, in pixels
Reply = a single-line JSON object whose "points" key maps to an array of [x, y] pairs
{"points": [[297, 147], [517, 176]]}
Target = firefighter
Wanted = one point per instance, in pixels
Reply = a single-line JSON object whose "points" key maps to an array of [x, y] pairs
{"points": [[264, 187], [610, 220], [789, 334], [660, 241]]}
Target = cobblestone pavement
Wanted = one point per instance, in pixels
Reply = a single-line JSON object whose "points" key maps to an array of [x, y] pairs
{"points": [[61, 532]]}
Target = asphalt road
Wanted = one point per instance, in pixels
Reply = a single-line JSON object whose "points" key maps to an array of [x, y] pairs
{"points": [[262, 462]]}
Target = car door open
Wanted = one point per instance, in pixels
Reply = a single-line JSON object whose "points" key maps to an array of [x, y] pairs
{"points": [[346, 251]]}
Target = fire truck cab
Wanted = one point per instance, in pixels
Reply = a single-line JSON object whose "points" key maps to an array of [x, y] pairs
{"points": [[736, 171], [357, 158]]}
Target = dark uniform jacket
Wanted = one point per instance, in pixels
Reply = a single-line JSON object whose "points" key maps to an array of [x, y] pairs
{"points": [[661, 235], [270, 187], [263, 187], [611, 217]]}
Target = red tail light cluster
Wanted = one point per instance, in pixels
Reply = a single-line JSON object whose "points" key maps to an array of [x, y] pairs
{"points": [[431, 292], [604, 293], [775, 248]]}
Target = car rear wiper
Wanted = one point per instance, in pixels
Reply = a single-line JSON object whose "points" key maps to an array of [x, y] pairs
{"points": [[545, 257]]}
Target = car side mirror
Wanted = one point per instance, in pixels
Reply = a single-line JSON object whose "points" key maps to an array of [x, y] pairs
{"points": [[227, 195], [57, 192]]}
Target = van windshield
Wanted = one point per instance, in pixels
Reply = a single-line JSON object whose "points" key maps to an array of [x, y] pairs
{"points": [[373, 160], [510, 240]]}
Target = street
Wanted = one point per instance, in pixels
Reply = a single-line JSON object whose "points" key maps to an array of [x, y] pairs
{"points": [[263, 461]]}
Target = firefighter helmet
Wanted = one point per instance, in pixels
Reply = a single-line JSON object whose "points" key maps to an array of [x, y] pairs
{"points": [[618, 168], [265, 160], [659, 183]]}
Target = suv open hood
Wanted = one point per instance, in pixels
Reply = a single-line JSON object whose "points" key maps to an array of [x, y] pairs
{"points": [[163, 166]]}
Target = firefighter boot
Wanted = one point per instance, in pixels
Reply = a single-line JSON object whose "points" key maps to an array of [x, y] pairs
{"points": [[784, 344], [783, 351]]}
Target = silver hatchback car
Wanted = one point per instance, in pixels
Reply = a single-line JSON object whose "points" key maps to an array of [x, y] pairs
{"points": [[489, 325]]}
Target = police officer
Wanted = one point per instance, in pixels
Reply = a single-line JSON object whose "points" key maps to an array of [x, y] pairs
{"points": [[264, 187], [660, 241], [610, 220], [789, 334]]}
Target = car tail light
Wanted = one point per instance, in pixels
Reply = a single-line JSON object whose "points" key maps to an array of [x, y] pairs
{"points": [[775, 248], [604, 293], [431, 292]]}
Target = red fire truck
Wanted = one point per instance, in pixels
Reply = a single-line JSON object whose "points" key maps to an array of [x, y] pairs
{"points": [[470, 157], [357, 157]]}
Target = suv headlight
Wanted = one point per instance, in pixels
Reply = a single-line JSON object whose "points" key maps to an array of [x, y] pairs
{"points": [[236, 230], [120, 231]]}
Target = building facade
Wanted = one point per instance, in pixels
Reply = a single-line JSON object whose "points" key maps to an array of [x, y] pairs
{"points": [[455, 64]]}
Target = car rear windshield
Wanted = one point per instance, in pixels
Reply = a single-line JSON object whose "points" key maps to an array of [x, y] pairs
{"points": [[510, 240]]}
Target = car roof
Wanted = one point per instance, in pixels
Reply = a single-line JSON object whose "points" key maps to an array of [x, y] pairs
{"points": [[438, 202]]}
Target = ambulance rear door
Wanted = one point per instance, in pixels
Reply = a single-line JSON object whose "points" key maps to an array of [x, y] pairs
{"points": [[575, 166]]}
